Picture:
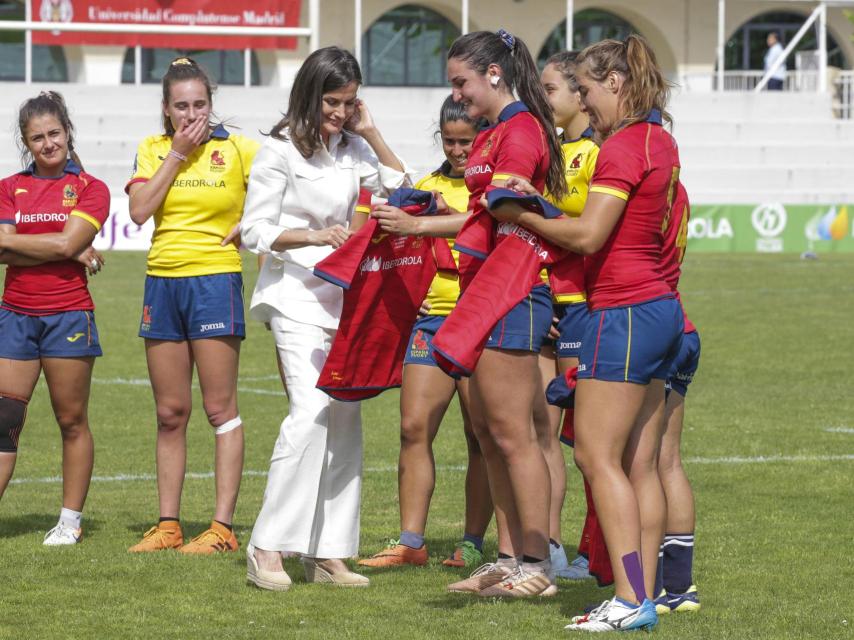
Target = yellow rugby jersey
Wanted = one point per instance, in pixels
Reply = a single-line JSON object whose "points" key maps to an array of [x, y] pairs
{"points": [[203, 204], [579, 157], [445, 288]]}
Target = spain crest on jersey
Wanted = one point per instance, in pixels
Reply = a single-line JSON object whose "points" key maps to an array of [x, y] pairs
{"points": [[217, 160], [69, 196]]}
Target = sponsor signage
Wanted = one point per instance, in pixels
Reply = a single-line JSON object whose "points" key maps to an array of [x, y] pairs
{"points": [[771, 227], [203, 13]]}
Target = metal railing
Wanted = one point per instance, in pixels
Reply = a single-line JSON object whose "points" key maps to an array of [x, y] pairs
{"points": [[749, 80], [843, 94]]}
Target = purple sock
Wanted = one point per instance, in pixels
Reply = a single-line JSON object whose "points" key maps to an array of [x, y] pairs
{"points": [[634, 572], [411, 539]]}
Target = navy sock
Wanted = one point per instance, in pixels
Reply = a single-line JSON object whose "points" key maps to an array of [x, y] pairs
{"points": [[227, 526], [554, 543], [168, 519], [659, 574], [412, 540], [477, 541], [503, 556], [678, 562], [531, 559]]}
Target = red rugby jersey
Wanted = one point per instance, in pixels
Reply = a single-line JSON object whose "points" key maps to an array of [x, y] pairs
{"points": [[675, 243], [42, 205], [386, 277], [639, 164], [515, 145]]}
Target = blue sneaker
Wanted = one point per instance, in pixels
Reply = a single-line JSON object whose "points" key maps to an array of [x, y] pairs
{"points": [[688, 602], [615, 615], [578, 569]]}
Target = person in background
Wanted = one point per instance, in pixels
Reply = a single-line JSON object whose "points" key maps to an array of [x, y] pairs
{"points": [[775, 50]]}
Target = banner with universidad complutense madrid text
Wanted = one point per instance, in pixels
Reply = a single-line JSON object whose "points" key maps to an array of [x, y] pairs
{"points": [[208, 13], [771, 228]]}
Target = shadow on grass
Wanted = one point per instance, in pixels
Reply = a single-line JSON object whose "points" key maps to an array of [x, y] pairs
{"points": [[27, 524]]}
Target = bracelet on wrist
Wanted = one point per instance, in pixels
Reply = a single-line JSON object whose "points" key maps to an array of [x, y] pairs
{"points": [[177, 155]]}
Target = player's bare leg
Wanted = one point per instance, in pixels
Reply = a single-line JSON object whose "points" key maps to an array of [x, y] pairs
{"points": [[606, 415], [170, 368], [217, 361], [68, 382]]}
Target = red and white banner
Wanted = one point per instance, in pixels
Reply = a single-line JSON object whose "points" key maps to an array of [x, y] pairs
{"points": [[208, 13]]}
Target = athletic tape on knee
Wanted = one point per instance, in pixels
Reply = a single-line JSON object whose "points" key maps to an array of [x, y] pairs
{"points": [[231, 425], [13, 411]]}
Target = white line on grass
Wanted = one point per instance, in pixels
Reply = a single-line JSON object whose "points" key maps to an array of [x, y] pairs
{"points": [[839, 430], [127, 477], [145, 382]]}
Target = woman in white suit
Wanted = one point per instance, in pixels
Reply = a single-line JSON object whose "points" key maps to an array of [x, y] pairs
{"points": [[302, 191]]}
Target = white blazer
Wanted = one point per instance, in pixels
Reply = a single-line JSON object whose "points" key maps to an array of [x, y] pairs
{"points": [[287, 192]]}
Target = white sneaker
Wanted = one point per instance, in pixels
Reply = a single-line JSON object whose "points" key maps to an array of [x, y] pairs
{"points": [[62, 534], [578, 569], [614, 615]]}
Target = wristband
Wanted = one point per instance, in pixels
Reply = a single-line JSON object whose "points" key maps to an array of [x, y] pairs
{"points": [[176, 155]]}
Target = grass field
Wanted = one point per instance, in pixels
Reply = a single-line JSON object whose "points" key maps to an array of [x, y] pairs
{"points": [[769, 443]]}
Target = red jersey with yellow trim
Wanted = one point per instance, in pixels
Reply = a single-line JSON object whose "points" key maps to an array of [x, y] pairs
{"points": [[43, 205], [639, 164], [675, 243], [515, 145]]}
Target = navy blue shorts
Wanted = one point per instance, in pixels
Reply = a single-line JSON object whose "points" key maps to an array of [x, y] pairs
{"points": [[636, 343], [572, 325], [526, 326], [420, 349], [69, 334], [193, 308], [685, 365]]}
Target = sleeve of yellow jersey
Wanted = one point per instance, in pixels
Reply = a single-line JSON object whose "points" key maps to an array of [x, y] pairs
{"points": [[590, 162], [143, 163], [248, 148]]}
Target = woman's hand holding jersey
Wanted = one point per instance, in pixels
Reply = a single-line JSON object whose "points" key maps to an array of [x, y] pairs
{"points": [[394, 220], [522, 186]]}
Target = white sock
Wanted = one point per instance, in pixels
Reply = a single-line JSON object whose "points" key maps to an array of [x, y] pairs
{"points": [[543, 566], [71, 518]]}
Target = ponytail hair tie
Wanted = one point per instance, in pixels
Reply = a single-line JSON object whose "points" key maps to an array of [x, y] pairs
{"points": [[181, 61], [508, 39]]}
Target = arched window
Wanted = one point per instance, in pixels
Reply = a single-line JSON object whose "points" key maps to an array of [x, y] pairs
{"points": [[48, 61], [408, 46], [224, 66], [589, 26], [746, 48]]}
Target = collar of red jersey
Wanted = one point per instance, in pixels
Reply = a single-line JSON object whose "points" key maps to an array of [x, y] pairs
{"points": [[654, 117], [70, 167], [509, 111]]}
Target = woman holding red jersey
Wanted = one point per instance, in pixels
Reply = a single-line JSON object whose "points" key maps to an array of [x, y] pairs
{"points": [[485, 69], [636, 322], [49, 215]]}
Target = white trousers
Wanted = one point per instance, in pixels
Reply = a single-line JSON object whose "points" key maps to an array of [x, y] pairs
{"points": [[311, 503]]}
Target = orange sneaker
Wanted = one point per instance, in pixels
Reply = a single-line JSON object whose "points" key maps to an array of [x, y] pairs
{"points": [[215, 540], [165, 535], [397, 555]]}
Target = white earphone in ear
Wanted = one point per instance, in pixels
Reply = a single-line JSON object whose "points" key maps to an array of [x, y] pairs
{"points": [[494, 80]]}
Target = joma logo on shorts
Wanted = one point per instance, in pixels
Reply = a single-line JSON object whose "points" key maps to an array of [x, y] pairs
{"points": [[211, 327]]}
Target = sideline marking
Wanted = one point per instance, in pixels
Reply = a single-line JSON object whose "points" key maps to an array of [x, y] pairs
{"points": [[145, 382], [839, 430], [196, 475]]}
